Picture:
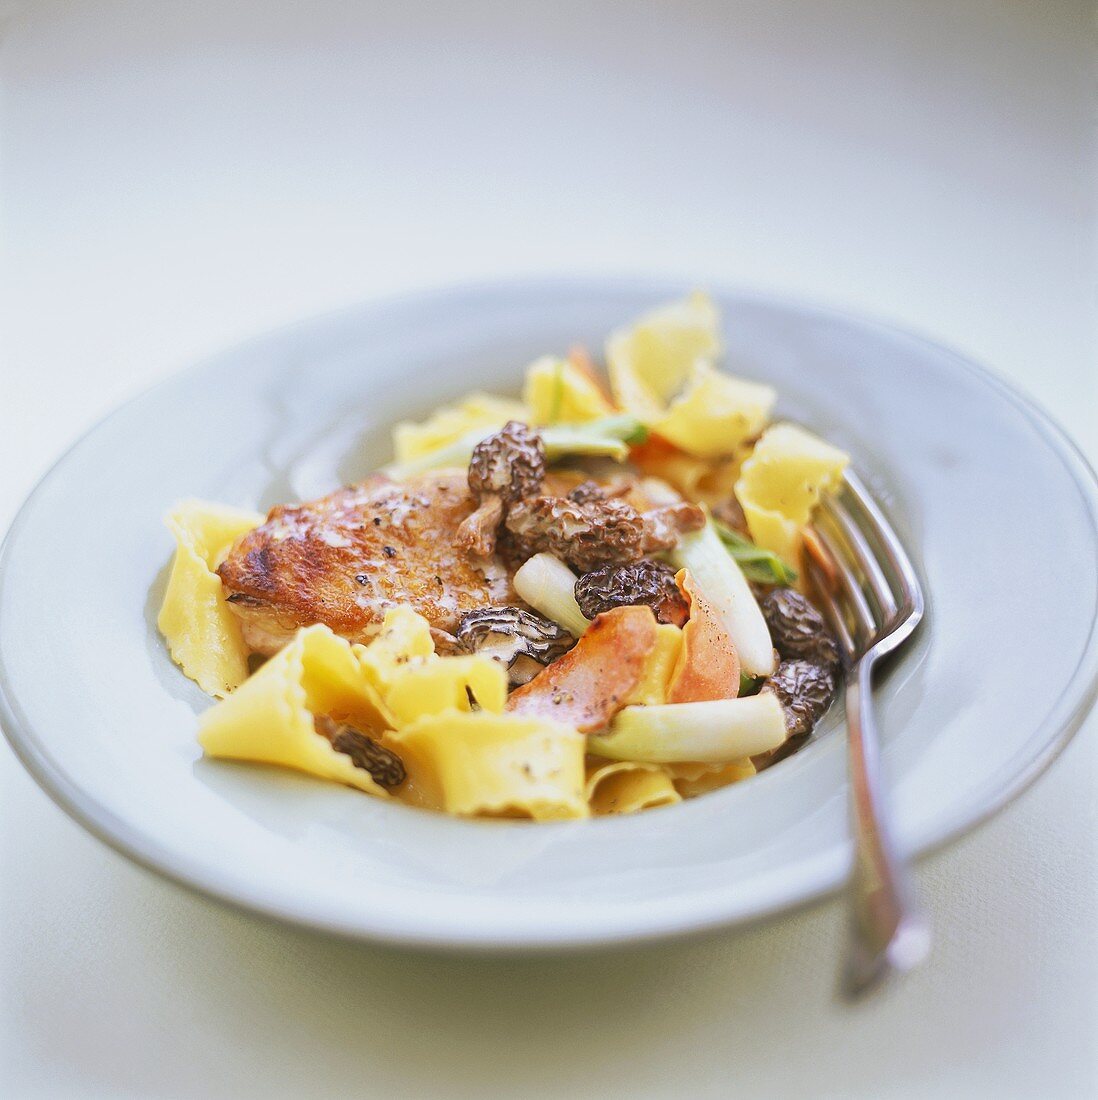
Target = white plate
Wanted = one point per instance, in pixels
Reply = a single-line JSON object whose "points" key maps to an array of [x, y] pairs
{"points": [[996, 507]]}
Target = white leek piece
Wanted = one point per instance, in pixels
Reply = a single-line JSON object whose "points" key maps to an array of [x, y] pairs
{"points": [[721, 581], [549, 586], [707, 733]]}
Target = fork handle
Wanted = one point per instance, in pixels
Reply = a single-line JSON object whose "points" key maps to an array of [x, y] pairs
{"points": [[887, 931]]}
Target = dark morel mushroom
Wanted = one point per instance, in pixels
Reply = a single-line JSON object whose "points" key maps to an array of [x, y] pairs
{"points": [[596, 530], [646, 582], [386, 768], [587, 491], [509, 464], [504, 468], [805, 691], [797, 629], [586, 535], [519, 639]]}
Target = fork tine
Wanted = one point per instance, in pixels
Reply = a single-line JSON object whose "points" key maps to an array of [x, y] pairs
{"points": [[865, 625], [863, 555], [912, 593], [831, 609]]}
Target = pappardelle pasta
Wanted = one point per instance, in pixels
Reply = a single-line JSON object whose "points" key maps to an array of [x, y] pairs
{"points": [[584, 603]]}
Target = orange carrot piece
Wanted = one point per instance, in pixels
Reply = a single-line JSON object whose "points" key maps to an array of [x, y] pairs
{"points": [[708, 666], [816, 550], [580, 358], [588, 685], [654, 450]]}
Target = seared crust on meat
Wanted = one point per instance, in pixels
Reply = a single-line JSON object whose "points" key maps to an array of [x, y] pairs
{"points": [[346, 558]]}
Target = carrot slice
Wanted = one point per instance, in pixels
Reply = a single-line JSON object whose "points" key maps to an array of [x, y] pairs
{"points": [[708, 666], [588, 685], [816, 550], [652, 452], [580, 358]]}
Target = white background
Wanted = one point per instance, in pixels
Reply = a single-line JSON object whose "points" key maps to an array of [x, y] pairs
{"points": [[178, 176]]}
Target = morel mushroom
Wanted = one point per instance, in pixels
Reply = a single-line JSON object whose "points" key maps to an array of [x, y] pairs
{"points": [[504, 468], [587, 536], [384, 766], [797, 629], [646, 582], [587, 491], [519, 639], [595, 531], [805, 691]]}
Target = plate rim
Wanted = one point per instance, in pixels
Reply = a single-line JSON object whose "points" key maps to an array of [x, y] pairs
{"points": [[1055, 731]]}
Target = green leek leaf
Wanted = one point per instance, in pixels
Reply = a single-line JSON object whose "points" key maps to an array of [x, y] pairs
{"points": [[759, 565]]}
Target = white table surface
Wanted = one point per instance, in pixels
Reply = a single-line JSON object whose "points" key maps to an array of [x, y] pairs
{"points": [[179, 176]]}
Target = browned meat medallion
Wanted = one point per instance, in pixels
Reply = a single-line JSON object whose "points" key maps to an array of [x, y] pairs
{"points": [[346, 558]]}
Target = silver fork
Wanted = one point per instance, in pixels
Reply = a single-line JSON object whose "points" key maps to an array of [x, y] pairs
{"points": [[874, 603]]}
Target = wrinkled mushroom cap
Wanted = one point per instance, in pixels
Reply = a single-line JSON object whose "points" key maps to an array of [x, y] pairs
{"points": [[521, 640]]}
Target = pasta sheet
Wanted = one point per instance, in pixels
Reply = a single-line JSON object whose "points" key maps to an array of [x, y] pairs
{"points": [[270, 717], [485, 411], [659, 666], [691, 780], [400, 663], [498, 765], [558, 391], [623, 787], [780, 485], [661, 371], [628, 787], [440, 714], [202, 633], [447, 684], [404, 642]]}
